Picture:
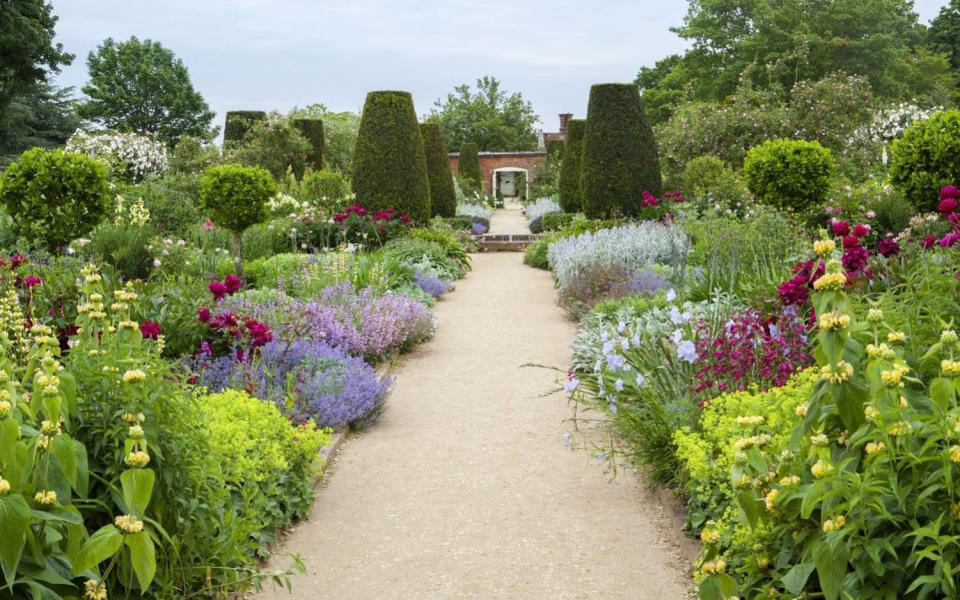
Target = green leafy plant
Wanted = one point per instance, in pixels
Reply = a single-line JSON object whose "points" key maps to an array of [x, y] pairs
{"points": [[791, 175], [924, 158], [54, 196]]}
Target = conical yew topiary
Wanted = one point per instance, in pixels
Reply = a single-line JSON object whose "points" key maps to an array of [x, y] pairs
{"points": [[620, 158], [312, 131], [389, 168], [443, 196], [468, 166], [239, 122], [571, 169]]}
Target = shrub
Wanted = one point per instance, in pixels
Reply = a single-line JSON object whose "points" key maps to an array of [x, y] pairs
{"points": [[468, 168], [536, 211], [443, 198], [620, 159], [459, 222], [172, 200], [273, 144], [262, 240], [446, 239], [791, 175], [54, 196], [130, 156], [268, 463], [236, 197], [555, 150], [597, 283], [556, 221], [123, 247], [713, 188], [312, 131], [239, 122], [389, 168], [571, 169], [411, 252], [192, 155], [536, 253], [326, 189], [925, 159], [702, 173]]}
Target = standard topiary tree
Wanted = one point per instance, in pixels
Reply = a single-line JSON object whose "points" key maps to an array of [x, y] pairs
{"points": [[926, 158], [620, 158], [571, 196], [792, 175], [239, 122], [236, 197], [55, 197], [443, 196], [312, 131], [389, 168], [468, 167]]}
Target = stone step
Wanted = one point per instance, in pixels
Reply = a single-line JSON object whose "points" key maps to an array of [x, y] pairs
{"points": [[511, 242]]}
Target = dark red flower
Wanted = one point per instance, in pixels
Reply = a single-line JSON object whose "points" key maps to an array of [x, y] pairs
{"points": [[404, 218], [947, 206], [31, 281], [232, 283], [150, 330], [203, 315], [218, 289], [855, 259], [841, 228], [794, 292], [861, 230], [850, 241], [929, 241], [949, 191], [888, 247]]}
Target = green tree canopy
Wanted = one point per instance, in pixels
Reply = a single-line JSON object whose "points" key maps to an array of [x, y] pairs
{"points": [[40, 116], [339, 132], [491, 118], [944, 34], [142, 86]]}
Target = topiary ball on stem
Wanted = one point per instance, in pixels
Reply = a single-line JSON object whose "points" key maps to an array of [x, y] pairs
{"points": [[443, 196], [389, 168], [620, 157], [54, 197], [235, 197]]}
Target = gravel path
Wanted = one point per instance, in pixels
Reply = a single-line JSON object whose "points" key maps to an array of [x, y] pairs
{"points": [[464, 487], [509, 220]]}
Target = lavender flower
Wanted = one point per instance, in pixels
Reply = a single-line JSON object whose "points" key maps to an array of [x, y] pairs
{"points": [[431, 284]]}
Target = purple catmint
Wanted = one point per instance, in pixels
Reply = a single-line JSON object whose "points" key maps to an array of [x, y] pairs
{"points": [[432, 284]]}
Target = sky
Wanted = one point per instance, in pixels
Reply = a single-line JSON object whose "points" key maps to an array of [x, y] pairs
{"points": [[277, 54]]}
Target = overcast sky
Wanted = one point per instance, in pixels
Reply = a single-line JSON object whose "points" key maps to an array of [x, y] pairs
{"points": [[275, 54]]}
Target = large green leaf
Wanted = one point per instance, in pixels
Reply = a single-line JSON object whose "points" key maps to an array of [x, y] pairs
{"points": [[718, 587], [99, 547], [14, 521], [62, 448], [796, 578], [143, 557], [831, 561], [137, 488], [942, 393]]}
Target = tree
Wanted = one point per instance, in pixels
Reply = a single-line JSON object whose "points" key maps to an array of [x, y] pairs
{"points": [[312, 131], [236, 197], [389, 168], [620, 159], [944, 33], [274, 144], [443, 196], [663, 87], [489, 118], [238, 122], [339, 131], [571, 168], [468, 167], [41, 116], [143, 87]]}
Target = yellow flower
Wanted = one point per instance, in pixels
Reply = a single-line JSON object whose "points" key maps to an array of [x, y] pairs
{"points": [[137, 459], [819, 439], [749, 421], [5, 407], [948, 336], [790, 481], [43, 442], [752, 442], [763, 562], [875, 315], [873, 447], [133, 419], [96, 297], [49, 428], [771, 500], [900, 428], [872, 413], [833, 321], [128, 524], [710, 536], [830, 281], [835, 524], [4, 486], [800, 410], [950, 368], [744, 481], [842, 372], [131, 325], [715, 567], [896, 337], [894, 377], [135, 432], [134, 376], [955, 454], [94, 590], [821, 469], [822, 247], [46, 498]]}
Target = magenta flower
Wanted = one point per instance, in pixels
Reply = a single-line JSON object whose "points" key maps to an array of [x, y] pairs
{"points": [[947, 206], [949, 191], [31, 281], [888, 247], [861, 230], [855, 259], [150, 330], [218, 289], [841, 228], [203, 315], [232, 284]]}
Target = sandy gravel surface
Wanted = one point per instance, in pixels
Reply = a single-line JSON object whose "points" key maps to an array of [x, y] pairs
{"points": [[509, 219], [464, 487]]}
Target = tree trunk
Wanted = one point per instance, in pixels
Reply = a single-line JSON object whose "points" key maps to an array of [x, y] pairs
{"points": [[238, 257]]}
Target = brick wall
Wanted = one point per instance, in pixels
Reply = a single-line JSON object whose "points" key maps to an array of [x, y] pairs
{"points": [[490, 161]]}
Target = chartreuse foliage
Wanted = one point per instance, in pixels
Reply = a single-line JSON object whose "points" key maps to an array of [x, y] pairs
{"points": [[54, 197], [443, 196], [925, 159], [236, 197], [791, 175], [389, 168], [620, 158], [861, 503], [571, 169]]}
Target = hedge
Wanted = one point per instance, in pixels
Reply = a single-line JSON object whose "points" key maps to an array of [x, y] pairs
{"points": [[789, 174], [312, 131], [389, 167], [238, 123], [443, 196], [926, 158], [556, 221], [571, 195], [468, 166], [620, 158], [555, 150]]}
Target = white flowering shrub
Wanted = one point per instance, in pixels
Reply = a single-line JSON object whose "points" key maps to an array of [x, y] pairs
{"points": [[635, 246], [130, 156], [889, 123]]}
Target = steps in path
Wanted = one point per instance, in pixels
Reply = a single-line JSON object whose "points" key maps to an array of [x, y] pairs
{"points": [[510, 242]]}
